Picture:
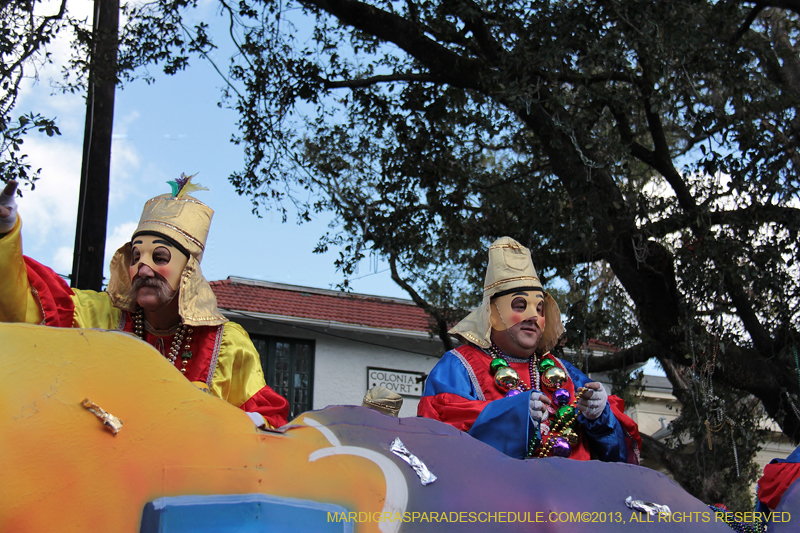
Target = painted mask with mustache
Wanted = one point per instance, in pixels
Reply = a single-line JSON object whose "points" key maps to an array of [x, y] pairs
{"points": [[156, 262], [164, 292]]}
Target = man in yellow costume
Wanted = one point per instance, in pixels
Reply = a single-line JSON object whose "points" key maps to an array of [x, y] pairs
{"points": [[156, 291]]}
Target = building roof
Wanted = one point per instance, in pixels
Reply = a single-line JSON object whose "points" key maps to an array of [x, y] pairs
{"points": [[280, 300], [601, 346]]}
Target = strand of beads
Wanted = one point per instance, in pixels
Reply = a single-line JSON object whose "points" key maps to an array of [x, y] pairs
{"points": [[563, 434], [187, 352], [553, 377], [559, 439], [138, 323], [177, 340], [533, 369], [722, 513]]}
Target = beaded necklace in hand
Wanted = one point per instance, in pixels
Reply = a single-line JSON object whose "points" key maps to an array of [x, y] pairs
{"points": [[177, 340], [564, 433]]}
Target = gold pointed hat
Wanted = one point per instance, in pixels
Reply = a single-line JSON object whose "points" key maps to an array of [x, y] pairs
{"points": [[383, 400], [510, 267], [185, 220]]}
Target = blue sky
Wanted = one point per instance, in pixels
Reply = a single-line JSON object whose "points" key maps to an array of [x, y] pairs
{"points": [[160, 131]]}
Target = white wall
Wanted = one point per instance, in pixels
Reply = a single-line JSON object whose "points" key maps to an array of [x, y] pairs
{"points": [[340, 374]]}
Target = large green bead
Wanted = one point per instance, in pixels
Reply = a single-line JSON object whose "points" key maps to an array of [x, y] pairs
{"points": [[506, 378], [496, 364], [567, 411], [545, 364]]}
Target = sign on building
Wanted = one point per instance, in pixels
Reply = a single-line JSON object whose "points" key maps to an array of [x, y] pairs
{"points": [[399, 381]]}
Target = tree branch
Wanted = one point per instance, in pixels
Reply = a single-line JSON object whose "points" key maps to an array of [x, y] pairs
{"points": [[760, 5], [441, 323], [792, 5], [677, 463], [405, 34], [387, 78], [679, 387], [625, 358], [476, 24], [752, 214], [592, 187], [34, 40], [600, 77], [661, 161], [744, 309], [413, 12], [751, 17]]}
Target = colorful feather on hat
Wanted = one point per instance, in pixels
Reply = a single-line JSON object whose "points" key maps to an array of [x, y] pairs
{"points": [[183, 186]]}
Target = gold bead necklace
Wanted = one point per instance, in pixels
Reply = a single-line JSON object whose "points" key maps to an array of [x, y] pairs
{"points": [[177, 340]]}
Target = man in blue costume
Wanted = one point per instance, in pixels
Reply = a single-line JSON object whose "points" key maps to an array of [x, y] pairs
{"points": [[504, 387]]}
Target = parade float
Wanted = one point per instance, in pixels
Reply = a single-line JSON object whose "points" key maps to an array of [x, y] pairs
{"points": [[98, 432]]}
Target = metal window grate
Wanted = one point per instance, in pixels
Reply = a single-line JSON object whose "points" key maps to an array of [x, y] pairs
{"points": [[288, 366]]}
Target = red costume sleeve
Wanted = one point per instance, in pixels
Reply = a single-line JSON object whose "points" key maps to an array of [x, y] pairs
{"points": [[54, 294], [630, 427], [269, 404], [776, 479], [452, 409]]}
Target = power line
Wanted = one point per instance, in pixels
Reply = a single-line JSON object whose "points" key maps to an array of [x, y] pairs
{"points": [[370, 274]]}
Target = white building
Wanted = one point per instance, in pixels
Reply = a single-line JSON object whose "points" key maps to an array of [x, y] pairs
{"points": [[323, 347]]}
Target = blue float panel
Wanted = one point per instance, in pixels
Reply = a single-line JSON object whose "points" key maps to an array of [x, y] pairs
{"points": [[241, 513]]}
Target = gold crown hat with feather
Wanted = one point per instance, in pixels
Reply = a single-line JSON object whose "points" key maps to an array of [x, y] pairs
{"points": [[510, 267], [184, 220]]}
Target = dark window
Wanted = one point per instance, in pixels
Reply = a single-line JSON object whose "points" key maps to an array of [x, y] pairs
{"points": [[288, 366]]}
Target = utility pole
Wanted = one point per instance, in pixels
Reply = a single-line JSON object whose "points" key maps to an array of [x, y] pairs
{"points": [[90, 233]]}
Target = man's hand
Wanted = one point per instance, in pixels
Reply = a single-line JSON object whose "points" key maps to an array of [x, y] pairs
{"points": [[8, 207], [593, 400], [538, 407]]}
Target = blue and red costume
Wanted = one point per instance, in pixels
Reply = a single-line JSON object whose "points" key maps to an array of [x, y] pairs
{"points": [[779, 474], [460, 391]]}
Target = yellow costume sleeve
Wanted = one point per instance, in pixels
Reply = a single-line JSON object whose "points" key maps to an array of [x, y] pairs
{"points": [[17, 302], [238, 375], [94, 310], [239, 379]]}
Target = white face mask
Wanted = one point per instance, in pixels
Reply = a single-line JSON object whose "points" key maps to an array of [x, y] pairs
{"points": [[511, 309]]}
